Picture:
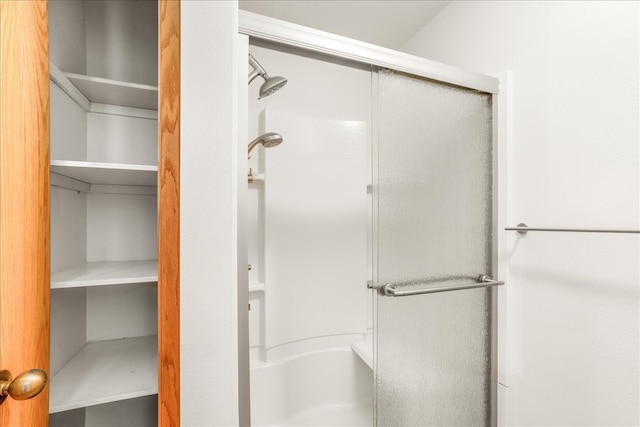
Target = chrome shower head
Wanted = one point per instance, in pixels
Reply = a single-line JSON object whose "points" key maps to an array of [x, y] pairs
{"points": [[268, 140], [271, 84]]}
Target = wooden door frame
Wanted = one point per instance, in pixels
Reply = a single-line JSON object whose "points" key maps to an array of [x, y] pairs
{"points": [[169, 213]]}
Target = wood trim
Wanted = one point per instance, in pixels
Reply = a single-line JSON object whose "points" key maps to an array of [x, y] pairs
{"points": [[169, 214], [24, 202]]}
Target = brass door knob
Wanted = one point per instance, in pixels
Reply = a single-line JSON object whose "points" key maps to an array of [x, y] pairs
{"points": [[25, 386]]}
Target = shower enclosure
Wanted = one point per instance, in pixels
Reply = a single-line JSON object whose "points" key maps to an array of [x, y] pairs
{"points": [[371, 236]]}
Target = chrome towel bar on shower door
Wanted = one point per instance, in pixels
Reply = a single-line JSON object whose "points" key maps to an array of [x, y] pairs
{"points": [[483, 281]]}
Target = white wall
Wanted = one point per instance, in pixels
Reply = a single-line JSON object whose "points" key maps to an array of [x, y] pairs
{"points": [[573, 314], [96, 38], [208, 271], [67, 41], [121, 40]]}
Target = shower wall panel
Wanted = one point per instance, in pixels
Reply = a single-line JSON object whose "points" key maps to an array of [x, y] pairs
{"points": [[319, 90], [315, 228]]}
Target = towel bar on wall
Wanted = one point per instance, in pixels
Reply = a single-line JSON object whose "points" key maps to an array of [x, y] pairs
{"points": [[483, 281], [524, 228]]}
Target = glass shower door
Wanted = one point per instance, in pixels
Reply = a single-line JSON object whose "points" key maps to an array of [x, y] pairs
{"points": [[434, 307]]}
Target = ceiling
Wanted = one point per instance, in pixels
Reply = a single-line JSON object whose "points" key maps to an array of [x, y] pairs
{"points": [[387, 23]]}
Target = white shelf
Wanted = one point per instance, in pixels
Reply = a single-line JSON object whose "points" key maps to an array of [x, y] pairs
{"points": [[106, 273], [106, 173], [256, 287], [364, 349], [106, 371], [114, 92]]}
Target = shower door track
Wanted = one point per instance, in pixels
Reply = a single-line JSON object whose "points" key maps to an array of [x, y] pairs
{"points": [[286, 33]]}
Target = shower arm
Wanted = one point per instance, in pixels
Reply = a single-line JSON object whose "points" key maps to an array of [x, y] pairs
{"points": [[257, 69], [253, 75]]}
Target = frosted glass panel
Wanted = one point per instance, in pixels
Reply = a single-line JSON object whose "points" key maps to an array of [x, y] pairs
{"points": [[433, 363]]}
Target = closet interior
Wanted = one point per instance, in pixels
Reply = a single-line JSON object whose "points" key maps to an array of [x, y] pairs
{"points": [[104, 156]]}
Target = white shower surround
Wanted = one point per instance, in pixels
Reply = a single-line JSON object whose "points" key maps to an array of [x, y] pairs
{"points": [[307, 245], [330, 387], [315, 224]]}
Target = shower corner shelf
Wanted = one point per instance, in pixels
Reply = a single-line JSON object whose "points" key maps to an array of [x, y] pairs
{"points": [[256, 179], [256, 287], [364, 349]]}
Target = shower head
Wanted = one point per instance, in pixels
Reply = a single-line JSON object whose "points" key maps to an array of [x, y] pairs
{"points": [[271, 84], [268, 140]]}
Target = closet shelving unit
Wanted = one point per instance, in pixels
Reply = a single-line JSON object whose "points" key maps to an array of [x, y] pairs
{"points": [[113, 92], [106, 273], [108, 370], [98, 173]]}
